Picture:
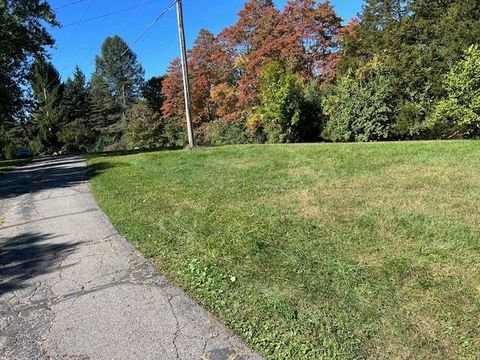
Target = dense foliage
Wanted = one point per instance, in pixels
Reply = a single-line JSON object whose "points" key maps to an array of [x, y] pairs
{"points": [[360, 110], [459, 114], [145, 128], [23, 37], [404, 69], [298, 75]]}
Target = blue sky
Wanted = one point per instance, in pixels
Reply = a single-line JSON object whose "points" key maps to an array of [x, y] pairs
{"points": [[78, 44]]}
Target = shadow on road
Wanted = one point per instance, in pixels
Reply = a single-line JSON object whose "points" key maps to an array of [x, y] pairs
{"points": [[27, 256], [43, 175]]}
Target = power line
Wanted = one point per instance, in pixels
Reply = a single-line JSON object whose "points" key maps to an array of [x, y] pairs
{"points": [[109, 14], [91, 52], [68, 38], [69, 4], [150, 26], [54, 9], [90, 19], [75, 28], [162, 13]]}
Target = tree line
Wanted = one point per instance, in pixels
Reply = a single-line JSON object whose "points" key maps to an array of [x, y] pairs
{"points": [[404, 69]]}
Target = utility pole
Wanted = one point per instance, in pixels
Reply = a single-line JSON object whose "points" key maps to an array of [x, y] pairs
{"points": [[186, 84]]}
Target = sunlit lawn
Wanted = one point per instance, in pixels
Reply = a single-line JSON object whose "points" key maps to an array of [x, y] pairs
{"points": [[310, 251]]}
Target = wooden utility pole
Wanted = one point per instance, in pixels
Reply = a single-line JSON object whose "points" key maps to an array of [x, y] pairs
{"points": [[186, 84]]}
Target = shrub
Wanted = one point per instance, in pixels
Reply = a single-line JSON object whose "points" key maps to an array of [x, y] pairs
{"points": [[219, 132], [360, 110], [312, 119], [410, 121], [145, 128], [119, 145], [77, 137], [175, 133], [281, 96], [459, 114], [10, 151]]}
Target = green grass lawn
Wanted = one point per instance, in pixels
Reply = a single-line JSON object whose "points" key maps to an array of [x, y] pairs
{"points": [[9, 165], [315, 251]]}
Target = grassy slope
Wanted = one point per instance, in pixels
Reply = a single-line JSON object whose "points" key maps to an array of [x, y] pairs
{"points": [[311, 251]]}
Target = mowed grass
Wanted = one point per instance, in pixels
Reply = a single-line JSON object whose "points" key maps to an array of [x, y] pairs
{"points": [[315, 251]]}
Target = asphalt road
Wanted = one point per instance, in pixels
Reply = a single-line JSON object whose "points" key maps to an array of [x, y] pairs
{"points": [[72, 288]]}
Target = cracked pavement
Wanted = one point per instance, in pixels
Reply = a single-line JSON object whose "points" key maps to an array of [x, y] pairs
{"points": [[72, 288]]}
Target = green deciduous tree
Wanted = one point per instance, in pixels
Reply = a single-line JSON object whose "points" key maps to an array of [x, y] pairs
{"points": [[360, 110], [23, 36], [281, 99], [459, 113], [418, 40]]}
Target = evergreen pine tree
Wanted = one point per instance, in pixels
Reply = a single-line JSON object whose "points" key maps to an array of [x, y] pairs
{"points": [[46, 113], [77, 133], [115, 87]]}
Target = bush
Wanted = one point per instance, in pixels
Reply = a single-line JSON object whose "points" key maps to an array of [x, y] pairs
{"points": [[281, 96], [254, 129], [360, 110], [118, 145], [459, 114], [219, 132], [10, 151], [77, 137], [175, 133], [145, 128], [312, 119], [410, 121]]}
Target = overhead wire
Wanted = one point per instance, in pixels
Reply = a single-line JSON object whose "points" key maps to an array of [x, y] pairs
{"points": [[54, 9], [109, 14], [75, 28], [68, 5], [159, 16], [168, 8]]}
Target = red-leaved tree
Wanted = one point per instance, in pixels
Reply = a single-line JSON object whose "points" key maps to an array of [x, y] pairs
{"points": [[225, 69], [248, 39], [306, 35], [205, 73], [172, 90]]}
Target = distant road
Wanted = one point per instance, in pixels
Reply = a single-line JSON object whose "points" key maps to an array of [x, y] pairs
{"points": [[72, 288]]}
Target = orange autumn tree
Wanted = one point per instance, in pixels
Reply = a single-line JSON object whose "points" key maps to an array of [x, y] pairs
{"points": [[225, 69], [172, 90], [306, 36], [206, 70], [224, 95], [302, 36], [205, 73], [247, 39]]}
